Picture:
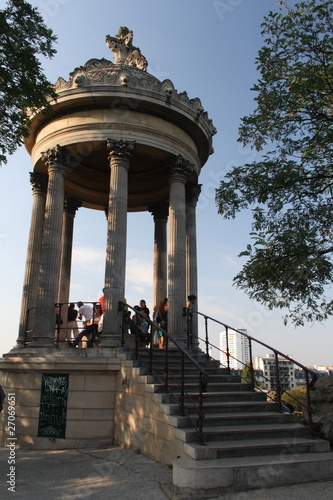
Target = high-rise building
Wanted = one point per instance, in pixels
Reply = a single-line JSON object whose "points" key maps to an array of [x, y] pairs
{"points": [[238, 349], [267, 366]]}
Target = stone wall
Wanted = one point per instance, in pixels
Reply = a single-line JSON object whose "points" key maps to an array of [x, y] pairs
{"points": [[322, 405], [140, 422], [90, 402]]}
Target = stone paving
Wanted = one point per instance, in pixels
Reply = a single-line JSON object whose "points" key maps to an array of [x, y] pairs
{"points": [[117, 474]]}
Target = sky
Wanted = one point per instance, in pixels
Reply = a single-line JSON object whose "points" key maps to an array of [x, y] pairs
{"points": [[207, 48]]}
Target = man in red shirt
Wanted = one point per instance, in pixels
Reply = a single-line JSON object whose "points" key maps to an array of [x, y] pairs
{"points": [[101, 300]]}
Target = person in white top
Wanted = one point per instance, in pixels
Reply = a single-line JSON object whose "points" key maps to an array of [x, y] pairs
{"points": [[86, 311]]}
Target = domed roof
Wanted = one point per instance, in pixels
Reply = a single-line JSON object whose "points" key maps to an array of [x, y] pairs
{"points": [[120, 100]]}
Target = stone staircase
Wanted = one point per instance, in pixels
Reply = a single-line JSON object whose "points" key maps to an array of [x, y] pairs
{"points": [[248, 442]]}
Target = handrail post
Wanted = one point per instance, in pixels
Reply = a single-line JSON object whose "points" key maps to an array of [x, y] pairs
{"points": [[227, 346], [308, 400], [206, 337], [201, 414], [182, 386], [121, 309], [190, 328], [278, 384], [136, 336], [58, 326], [166, 364], [151, 352], [186, 313], [253, 384]]}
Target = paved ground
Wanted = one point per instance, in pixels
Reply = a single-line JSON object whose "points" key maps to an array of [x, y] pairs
{"points": [[115, 474]]}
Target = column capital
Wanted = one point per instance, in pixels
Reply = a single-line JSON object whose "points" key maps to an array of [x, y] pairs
{"points": [[38, 182], [57, 159], [179, 169], [71, 205], [192, 192], [120, 149], [159, 211]]}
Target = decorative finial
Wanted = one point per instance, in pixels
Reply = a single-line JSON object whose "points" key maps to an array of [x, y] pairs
{"points": [[124, 51]]}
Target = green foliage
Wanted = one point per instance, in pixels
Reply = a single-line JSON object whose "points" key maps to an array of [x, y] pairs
{"points": [[296, 397], [289, 189], [23, 86], [246, 375]]}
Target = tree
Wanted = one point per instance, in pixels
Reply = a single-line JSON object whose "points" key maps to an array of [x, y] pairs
{"points": [[246, 375], [296, 398], [23, 87], [289, 189]]}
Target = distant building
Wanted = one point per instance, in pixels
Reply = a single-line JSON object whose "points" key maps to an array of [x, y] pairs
{"points": [[267, 366], [320, 371], [238, 349]]}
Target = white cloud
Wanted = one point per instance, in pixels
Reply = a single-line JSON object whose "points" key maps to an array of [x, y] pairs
{"points": [[89, 258], [139, 272]]}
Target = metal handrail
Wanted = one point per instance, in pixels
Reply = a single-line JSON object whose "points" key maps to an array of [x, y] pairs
{"points": [[203, 376], [310, 384]]}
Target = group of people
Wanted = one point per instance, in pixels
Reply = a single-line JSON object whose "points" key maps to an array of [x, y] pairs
{"points": [[92, 317], [140, 326], [139, 322]]}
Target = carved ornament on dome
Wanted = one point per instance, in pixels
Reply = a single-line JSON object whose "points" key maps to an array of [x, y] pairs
{"points": [[129, 73], [124, 51]]}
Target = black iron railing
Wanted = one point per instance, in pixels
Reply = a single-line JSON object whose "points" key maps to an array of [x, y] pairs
{"points": [[184, 399], [310, 376]]}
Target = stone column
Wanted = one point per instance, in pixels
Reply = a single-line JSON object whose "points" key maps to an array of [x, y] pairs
{"points": [[120, 153], [160, 272], [179, 169], [33, 261], [70, 207], [192, 195], [56, 160]]}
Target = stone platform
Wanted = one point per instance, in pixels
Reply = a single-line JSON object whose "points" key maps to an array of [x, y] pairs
{"points": [[88, 416]]}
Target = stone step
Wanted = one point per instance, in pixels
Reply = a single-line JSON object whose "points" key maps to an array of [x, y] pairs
{"points": [[243, 474], [234, 432], [229, 396], [254, 418], [256, 448], [225, 407], [214, 387], [193, 377]]}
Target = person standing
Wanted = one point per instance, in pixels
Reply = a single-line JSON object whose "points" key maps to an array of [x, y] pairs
{"points": [[190, 307], [101, 300], [162, 320], [191, 302], [71, 321], [144, 307]]}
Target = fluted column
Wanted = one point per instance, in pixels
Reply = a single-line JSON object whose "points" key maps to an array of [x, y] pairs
{"points": [[160, 272], [120, 153], [33, 260], [56, 160], [70, 207], [192, 195], [178, 169]]}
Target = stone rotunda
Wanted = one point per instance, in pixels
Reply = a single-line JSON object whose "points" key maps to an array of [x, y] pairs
{"points": [[117, 140]]}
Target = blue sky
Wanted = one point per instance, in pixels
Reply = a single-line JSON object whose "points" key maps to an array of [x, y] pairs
{"points": [[207, 48]]}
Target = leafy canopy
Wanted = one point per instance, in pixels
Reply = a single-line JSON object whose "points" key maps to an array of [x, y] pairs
{"points": [[23, 86], [289, 188]]}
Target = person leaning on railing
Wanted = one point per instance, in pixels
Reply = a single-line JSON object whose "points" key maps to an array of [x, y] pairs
{"points": [[162, 320], [139, 325], [91, 329]]}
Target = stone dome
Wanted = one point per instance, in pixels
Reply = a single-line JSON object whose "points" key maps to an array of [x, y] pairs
{"points": [[121, 101]]}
